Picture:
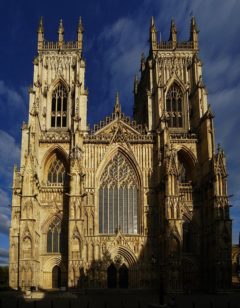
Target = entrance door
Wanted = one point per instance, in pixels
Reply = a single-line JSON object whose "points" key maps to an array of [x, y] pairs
{"points": [[112, 276], [56, 277], [123, 276]]}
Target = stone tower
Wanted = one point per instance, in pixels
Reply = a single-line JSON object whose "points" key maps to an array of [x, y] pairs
{"points": [[171, 101], [128, 203]]}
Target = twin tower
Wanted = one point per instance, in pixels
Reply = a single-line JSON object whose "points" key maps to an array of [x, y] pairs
{"points": [[129, 203]]}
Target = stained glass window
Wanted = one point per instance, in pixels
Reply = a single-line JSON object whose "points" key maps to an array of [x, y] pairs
{"points": [[118, 197], [53, 236], [174, 101], [56, 172], [59, 107]]}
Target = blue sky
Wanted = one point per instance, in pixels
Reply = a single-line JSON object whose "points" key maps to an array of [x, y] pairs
{"points": [[116, 33]]}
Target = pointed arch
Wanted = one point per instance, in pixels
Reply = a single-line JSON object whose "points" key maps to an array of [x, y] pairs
{"points": [[54, 236], [175, 80], [54, 84], [174, 106], [127, 254], [119, 193], [53, 261], [55, 166], [129, 156], [186, 165], [49, 220]]}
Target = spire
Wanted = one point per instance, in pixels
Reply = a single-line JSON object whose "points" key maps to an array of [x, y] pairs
{"points": [[40, 33], [194, 33], [173, 33], [135, 88], [117, 107], [60, 31], [80, 30], [153, 35]]}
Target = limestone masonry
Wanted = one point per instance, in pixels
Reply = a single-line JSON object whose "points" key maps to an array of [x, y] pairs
{"points": [[130, 203]]}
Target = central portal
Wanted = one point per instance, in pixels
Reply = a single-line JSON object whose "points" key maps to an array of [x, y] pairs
{"points": [[117, 278]]}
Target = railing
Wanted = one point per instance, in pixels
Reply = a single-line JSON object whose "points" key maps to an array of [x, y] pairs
{"points": [[60, 45], [185, 190], [179, 45]]}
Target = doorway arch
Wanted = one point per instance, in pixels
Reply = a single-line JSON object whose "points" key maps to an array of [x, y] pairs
{"points": [[56, 277], [112, 276], [123, 276]]}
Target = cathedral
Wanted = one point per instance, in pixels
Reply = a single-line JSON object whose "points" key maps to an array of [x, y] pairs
{"points": [[128, 203]]}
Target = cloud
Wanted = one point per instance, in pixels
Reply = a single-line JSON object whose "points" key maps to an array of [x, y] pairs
{"points": [[4, 224], [9, 155], [4, 253]]}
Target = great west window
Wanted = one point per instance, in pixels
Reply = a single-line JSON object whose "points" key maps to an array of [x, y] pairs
{"points": [[118, 197]]}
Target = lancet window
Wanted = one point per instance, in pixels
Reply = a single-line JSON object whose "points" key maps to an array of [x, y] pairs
{"points": [[59, 107], [56, 172], [174, 106], [119, 197], [54, 236]]}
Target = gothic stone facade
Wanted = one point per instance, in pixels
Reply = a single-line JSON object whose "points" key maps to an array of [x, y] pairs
{"points": [[131, 203]]}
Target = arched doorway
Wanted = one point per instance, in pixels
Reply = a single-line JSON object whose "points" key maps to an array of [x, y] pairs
{"points": [[123, 276], [56, 277], [112, 276]]}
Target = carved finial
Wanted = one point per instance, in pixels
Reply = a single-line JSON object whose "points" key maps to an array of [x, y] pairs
{"points": [[60, 31], [80, 25], [117, 107], [153, 35], [40, 33], [80, 30], [40, 26], [173, 33], [194, 33]]}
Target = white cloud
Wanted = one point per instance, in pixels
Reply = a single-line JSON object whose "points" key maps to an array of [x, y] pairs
{"points": [[9, 155], [12, 97], [4, 224]]}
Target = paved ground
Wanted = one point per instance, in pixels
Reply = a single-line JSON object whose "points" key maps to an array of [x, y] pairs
{"points": [[117, 299]]}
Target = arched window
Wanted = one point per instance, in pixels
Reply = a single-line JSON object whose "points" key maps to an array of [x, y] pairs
{"points": [[59, 107], [118, 197], [174, 104], [54, 236], [56, 172], [184, 169]]}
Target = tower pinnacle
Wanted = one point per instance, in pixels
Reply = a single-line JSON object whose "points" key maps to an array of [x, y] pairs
{"points": [[40, 33], [80, 31], [173, 33], [117, 106], [153, 34], [194, 33], [60, 31]]}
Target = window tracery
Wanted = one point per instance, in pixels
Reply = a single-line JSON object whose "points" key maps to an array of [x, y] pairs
{"points": [[118, 197], [56, 172], [174, 106], [59, 107], [54, 236]]}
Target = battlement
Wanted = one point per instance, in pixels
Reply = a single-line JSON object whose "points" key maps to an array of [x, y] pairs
{"points": [[43, 44]]}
